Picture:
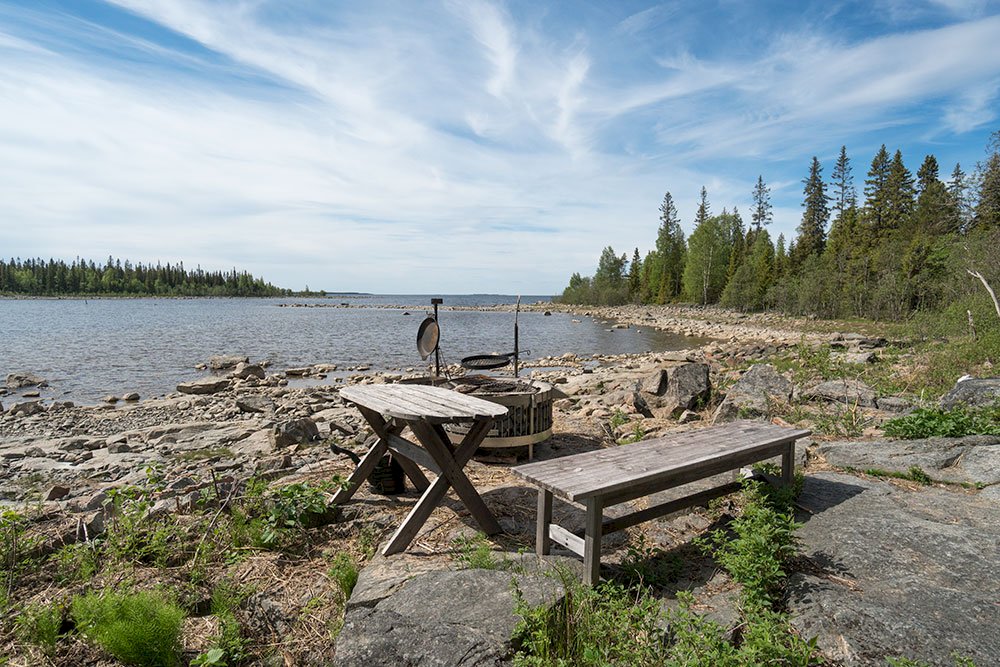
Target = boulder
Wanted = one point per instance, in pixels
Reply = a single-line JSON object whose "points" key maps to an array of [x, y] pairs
{"points": [[972, 393], [888, 572], [672, 390], [222, 362], [974, 459], [204, 386], [471, 624], [131, 396], [755, 394], [244, 371], [20, 379], [27, 408], [848, 391], [294, 431], [254, 404]]}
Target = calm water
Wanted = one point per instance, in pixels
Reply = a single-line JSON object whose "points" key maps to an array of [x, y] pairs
{"points": [[89, 349]]}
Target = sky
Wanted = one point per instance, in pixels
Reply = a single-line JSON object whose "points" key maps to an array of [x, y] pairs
{"points": [[456, 146]]}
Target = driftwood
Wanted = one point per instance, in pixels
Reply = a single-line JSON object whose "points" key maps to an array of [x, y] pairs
{"points": [[993, 295]]}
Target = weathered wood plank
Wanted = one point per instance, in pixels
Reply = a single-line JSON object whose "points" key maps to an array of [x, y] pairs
{"points": [[592, 541], [415, 453], [413, 402], [560, 535], [542, 540], [656, 511]]}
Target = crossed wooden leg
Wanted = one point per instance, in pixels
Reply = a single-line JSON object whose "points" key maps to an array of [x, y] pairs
{"points": [[450, 461]]}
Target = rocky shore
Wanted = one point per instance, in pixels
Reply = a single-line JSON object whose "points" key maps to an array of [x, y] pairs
{"points": [[60, 464]]}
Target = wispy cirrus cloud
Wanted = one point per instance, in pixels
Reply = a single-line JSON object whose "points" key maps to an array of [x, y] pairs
{"points": [[312, 141]]}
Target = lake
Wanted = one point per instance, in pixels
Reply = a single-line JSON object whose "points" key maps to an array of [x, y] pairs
{"points": [[87, 349]]}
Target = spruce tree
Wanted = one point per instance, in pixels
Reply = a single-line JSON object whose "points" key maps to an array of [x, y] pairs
{"points": [[958, 188], [900, 193], [876, 197], [844, 195], [987, 216], [635, 278], [670, 249], [812, 230], [761, 214], [927, 174]]}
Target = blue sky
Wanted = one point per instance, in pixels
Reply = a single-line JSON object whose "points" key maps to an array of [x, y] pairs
{"points": [[453, 147]]}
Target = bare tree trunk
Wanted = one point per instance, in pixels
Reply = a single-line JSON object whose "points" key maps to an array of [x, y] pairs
{"points": [[993, 295]]}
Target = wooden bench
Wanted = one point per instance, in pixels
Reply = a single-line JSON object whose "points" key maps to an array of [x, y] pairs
{"points": [[616, 475]]}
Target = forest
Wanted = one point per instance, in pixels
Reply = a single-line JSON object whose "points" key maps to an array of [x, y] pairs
{"points": [[913, 244], [36, 277]]}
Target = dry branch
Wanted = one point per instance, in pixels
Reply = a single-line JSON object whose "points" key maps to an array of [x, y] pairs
{"points": [[993, 295]]}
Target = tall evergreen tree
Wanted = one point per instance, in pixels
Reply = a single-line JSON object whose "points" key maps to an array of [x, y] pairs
{"points": [[812, 230], [958, 188], [936, 211], [761, 213], [670, 249], [876, 197], [927, 174], [900, 193], [635, 278], [987, 214], [844, 195]]}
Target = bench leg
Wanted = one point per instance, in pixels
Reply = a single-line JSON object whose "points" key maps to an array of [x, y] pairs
{"points": [[592, 541], [543, 543], [788, 464]]}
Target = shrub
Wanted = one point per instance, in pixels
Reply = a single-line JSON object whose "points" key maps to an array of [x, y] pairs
{"points": [[475, 553], [934, 422], [137, 628]]}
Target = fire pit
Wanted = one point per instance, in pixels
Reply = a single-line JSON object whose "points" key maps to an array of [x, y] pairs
{"points": [[529, 411]]}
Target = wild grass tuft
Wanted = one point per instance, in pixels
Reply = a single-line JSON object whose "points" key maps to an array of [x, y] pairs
{"points": [[140, 628]]}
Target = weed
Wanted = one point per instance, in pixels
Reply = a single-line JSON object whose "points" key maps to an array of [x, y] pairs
{"points": [[914, 474], [137, 628], [204, 454], [368, 536], [344, 571], [619, 418], [227, 598], [844, 420], [931, 422], [649, 565], [293, 507], [214, 657], [75, 562], [637, 434], [132, 535], [39, 625], [475, 553]]}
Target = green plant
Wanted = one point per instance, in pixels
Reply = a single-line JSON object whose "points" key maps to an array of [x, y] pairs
{"points": [[650, 566], [637, 434], [213, 657], [344, 571], [38, 625], [619, 418], [140, 628], [227, 598], [843, 420], [932, 422], [475, 553], [75, 562], [913, 474], [293, 507], [133, 535]]}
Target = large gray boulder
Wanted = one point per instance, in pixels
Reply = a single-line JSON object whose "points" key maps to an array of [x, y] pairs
{"points": [[443, 618], [294, 431], [847, 391], [890, 572], [755, 394], [972, 393], [672, 390], [204, 386], [222, 362], [974, 459]]}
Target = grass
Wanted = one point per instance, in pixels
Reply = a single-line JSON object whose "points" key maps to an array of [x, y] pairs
{"points": [[344, 572], [935, 422], [476, 553], [913, 474], [140, 629], [39, 625]]}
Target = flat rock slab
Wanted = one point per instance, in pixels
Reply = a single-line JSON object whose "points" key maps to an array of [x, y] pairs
{"points": [[972, 393], [440, 618], [899, 573], [971, 460], [204, 386]]}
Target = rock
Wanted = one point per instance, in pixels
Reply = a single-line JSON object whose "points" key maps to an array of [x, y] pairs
{"points": [[858, 357], [669, 391], [972, 393], [471, 624], [244, 371], [254, 404], [972, 459], [295, 431], [755, 394], [688, 416], [119, 448], [265, 617], [848, 391], [20, 379], [891, 572], [131, 396], [894, 404], [222, 362], [55, 492], [110, 399], [27, 408], [298, 372], [1, 408], [204, 386]]}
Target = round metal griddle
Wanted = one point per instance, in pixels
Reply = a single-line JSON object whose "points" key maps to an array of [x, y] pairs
{"points": [[428, 336], [484, 362]]}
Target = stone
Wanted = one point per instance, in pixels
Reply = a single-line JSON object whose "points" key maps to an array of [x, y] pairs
{"points": [[26, 409], [472, 621], [244, 371], [298, 372], [253, 404], [894, 404], [970, 460], [688, 416], [755, 394], [222, 362], [672, 390], [972, 393], [847, 391], [294, 431], [110, 399], [858, 357], [55, 492], [204, 386], [889, 572], [119, 448], [21, 379], [131, 396], [265, 617]]}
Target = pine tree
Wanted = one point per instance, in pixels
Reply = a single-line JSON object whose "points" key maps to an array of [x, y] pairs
{"points": [[927, 174], [635, 278], [900, 193], [958, 188], [936, 211], [844, 195], [876, 198], [988, 208], [812, 230], [761, 214], [670, 249]]}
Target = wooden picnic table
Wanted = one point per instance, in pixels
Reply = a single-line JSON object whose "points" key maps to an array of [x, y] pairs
{"points": [[615, 475], [424, 409]]}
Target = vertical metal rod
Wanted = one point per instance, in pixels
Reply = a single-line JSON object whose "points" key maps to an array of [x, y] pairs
{"points": [[437, 348], [517, 310]]}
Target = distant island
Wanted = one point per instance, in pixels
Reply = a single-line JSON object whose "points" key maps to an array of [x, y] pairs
{"points": [[37, 277]]}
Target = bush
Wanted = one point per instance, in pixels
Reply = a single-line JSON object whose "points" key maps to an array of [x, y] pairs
{"points": [[39, 625], [137, 628], [934, 422]]}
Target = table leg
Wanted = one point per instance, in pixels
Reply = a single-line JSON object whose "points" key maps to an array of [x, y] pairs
{"points": [[543, 543], [383, 429], [361, 473], [592, 541], [788, 464]]}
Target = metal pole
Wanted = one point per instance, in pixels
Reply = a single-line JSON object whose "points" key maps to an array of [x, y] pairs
{"points": [[437, 353], [517, 310]]}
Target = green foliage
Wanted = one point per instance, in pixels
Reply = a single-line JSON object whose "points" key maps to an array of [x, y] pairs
{"points": [[215, 657], [75, 562], [764, 540], [935, 422], [16, 547], [137, 628], [293, 507], [476, 553], [619, 418], [843, 420], [913, 474], [344, 571], [648, 565], [608, 287], [637, 434], [132, 535], [227, 598], [707, 264], [38, 625], [115, 278]]}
